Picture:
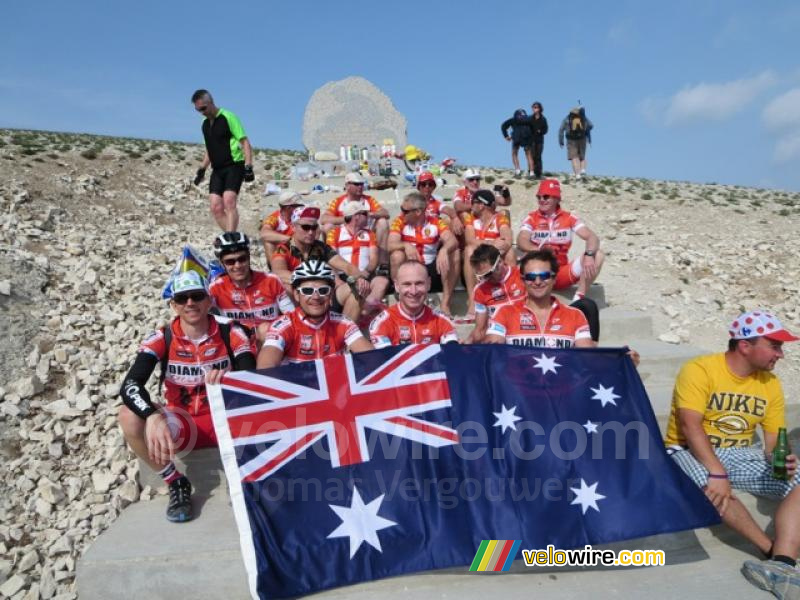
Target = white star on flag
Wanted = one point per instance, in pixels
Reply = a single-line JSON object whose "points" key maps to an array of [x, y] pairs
{"points": [[507, 418], [590, 427], [605, 395], [360, 522], [586, 496], [546, 364]]}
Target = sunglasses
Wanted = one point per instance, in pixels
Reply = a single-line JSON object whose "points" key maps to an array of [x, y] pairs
{"points": [[474, 179], [534, 275], [354, 183], [308, 291], [306, 227], [544, 197], [427, 184], [229, 262], [484, 276], [182, 299], [201, 108], [405, 211]]}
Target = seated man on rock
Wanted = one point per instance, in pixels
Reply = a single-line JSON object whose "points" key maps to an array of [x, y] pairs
{"points": [[357, 245], [411, 321], [540, 320], [415, 236], [550, 227], [191, 346], [304, 246], [276, 228], [253, 298], [718, 401], [312, 330], [498, 284], [378, 215], [484, 225]]}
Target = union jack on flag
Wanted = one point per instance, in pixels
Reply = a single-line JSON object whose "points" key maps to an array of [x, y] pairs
{"points": [[279, 419]]}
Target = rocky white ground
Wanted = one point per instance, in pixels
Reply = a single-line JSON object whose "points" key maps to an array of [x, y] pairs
{"points": [[90, 227]]}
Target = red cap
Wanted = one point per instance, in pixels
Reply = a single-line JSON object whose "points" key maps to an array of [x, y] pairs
{"points": [[305, 212], [550, 187], [426, 176]]}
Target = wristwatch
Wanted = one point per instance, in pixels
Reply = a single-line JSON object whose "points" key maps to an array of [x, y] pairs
{"points": [[590, 253]]}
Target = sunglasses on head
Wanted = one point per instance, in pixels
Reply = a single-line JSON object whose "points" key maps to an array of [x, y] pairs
{"points": [[427, 184], [197, 296], [534, 275], [308, 291], [483, 276], [229, 262], [307, 227]]}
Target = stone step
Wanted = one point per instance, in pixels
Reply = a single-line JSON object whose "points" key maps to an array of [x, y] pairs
{"points": [[142, 555], [660, 362]]}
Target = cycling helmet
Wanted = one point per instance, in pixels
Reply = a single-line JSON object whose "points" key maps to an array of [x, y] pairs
{"points": [[312, 269], [230, 241]]}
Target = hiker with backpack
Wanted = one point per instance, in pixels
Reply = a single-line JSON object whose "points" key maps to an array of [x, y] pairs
{"points": [[578, 130], [521, 137], [190, 348]]}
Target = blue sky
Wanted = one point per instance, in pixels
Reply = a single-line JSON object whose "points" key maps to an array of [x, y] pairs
{"points": [[705, 91]]}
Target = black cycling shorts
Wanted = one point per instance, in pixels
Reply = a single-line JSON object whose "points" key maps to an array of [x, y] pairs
{"points": [[226, 179]]}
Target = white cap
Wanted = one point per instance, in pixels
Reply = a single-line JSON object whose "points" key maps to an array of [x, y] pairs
{"points": [[289, 197], [350, 208], [471, 174], [354, 177]]}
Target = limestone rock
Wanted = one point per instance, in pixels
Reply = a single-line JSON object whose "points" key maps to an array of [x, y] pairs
{"points": [[351, 111]]}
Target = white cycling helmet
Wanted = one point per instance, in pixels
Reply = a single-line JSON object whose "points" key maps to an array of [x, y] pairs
{"points": [[471, 174], [310, 270], [230, 241]]}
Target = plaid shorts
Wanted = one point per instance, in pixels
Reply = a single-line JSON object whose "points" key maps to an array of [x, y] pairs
{"points": [[747, 468]]}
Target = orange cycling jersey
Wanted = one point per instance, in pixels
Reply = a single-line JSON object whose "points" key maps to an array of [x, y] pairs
{"points": [[464, 195], [489, 296], [262, 300], [487, 231], [426, 237], [189, 360], [275, 222], [520, 327], [554, 232], [354, 249], [434, 208], [335, 204], [301, 339], [394, 326]]}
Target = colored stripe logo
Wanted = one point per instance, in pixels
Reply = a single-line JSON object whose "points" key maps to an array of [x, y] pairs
{"points": [[495, 555]]}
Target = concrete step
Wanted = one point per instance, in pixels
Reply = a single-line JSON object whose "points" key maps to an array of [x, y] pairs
{"points": [[660, 362], [141, 555], [618, 326]]}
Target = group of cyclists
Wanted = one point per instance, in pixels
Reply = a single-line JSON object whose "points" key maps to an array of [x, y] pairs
{"points": [[330, 274]]}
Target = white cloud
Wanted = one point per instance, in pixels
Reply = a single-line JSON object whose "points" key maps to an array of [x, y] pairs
{"points": [[708, 101], [783, 111], [788, 147]]}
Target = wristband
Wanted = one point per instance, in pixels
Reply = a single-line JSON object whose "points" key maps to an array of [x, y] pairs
{"points": [[717, 476]]}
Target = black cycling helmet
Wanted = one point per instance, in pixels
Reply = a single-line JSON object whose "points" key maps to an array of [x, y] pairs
{"points": [[230, 241], [310, 270]]}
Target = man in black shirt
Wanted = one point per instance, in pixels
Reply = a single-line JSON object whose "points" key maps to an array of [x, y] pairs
{"points": [[230, 155]]}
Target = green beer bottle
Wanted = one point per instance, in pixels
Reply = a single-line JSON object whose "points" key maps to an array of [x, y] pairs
{"points": [[779, 456]]}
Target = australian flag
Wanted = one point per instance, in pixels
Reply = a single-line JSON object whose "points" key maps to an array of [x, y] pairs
{"points": [[363, 466]]}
